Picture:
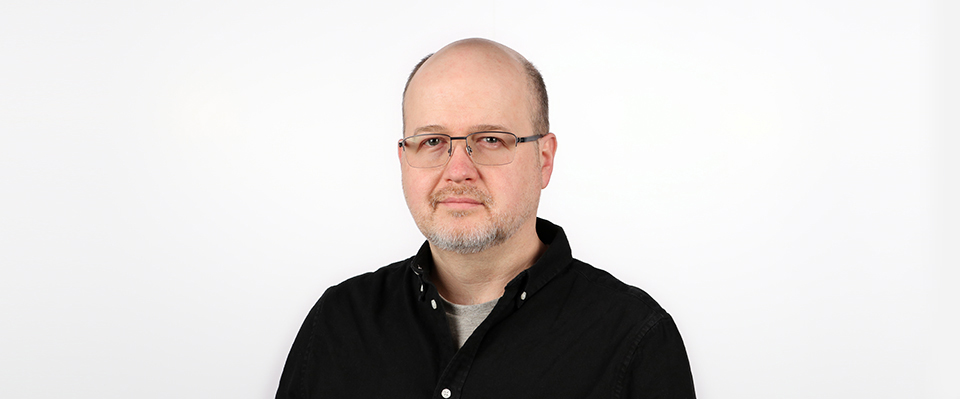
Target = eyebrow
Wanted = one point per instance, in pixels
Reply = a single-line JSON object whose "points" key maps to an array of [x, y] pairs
{"points": [[474, 128], [488, 128], [429, 129]]}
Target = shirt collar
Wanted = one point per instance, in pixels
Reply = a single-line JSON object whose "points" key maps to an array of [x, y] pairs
{"points": [[554, 260]]}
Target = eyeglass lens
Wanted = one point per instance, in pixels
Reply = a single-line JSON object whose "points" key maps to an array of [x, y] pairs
{"points": [[485, 148]]}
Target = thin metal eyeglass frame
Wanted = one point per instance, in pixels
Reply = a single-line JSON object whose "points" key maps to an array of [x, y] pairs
{"points": [[526, 139]]}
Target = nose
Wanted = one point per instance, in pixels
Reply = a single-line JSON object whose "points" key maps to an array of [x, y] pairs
{"points": [[460, 167]]}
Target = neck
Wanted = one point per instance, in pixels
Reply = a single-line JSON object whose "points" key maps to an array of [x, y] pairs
{"points": [[468, 279]]}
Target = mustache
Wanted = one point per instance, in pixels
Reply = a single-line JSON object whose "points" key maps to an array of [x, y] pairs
{"points": [[460, 191]]}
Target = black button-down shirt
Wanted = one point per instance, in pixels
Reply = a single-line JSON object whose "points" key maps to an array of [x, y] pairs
{"points": [[563, 329]]}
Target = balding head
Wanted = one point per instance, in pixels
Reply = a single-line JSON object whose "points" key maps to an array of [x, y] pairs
{"points": [[461, 58], [464, 206]]}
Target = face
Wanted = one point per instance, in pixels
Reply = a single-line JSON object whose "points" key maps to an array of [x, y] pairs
{"points": [[463, 207]]}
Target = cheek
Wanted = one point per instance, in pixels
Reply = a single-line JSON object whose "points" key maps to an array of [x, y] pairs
{"points": [[533, 181], [416, 187], [409, 188], [518, 187]]}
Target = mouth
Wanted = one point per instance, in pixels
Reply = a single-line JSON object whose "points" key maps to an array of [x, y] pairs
{"points": [[460, 198], [460, 202]]}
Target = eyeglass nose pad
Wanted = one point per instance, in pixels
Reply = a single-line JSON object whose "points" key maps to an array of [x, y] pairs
{"points": [[465, 145]]}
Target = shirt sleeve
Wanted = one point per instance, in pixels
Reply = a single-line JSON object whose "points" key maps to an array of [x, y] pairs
{"points": [[301, 362], [659, 367]]}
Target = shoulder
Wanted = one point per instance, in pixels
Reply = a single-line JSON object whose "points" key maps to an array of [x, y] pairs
{"points": [[366, 288], [626, 300], [605, 284], [383, 275]]}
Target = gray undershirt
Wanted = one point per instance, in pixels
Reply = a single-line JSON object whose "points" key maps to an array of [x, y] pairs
{"points": [[463, 319]]}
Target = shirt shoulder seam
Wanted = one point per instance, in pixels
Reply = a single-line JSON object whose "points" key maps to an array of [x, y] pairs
{"points": [[652, 321]]}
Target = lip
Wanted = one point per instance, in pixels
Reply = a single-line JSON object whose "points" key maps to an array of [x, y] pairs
{"points": [[460, 202]]}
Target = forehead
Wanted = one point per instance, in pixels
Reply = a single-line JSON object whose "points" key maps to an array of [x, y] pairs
{"points": [[468, 87]]}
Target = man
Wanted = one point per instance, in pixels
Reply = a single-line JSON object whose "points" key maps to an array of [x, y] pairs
{"points": [[493, 305]]}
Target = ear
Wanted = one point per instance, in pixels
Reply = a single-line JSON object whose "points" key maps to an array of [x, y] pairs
{"points": [[548, 150], [400, 153]]}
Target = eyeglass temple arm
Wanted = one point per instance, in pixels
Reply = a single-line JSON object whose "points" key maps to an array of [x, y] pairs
{"points": [[529, 138]]}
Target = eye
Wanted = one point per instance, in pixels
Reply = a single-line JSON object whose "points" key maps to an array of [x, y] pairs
{"points": [[432, 143], [490, 141]]}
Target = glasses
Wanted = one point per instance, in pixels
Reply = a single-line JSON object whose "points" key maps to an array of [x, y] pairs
{"points": [[484, 148]]}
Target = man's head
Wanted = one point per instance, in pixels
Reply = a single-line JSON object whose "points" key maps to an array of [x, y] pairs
{"points": [[470, 86], [541, 114]]}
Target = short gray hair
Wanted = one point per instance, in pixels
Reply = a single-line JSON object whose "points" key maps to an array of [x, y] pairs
{"points": [[541, 116]]}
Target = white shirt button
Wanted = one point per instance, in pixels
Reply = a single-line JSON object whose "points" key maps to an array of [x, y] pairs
{"points": [[445, 393], [523, 296], [433, 302]]}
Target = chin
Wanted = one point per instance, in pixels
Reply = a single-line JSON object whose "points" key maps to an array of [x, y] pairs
{"points": [[460, 222], [465, 238]]}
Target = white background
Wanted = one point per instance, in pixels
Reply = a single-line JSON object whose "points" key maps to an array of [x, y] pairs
{"points": [[179, 182]]}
